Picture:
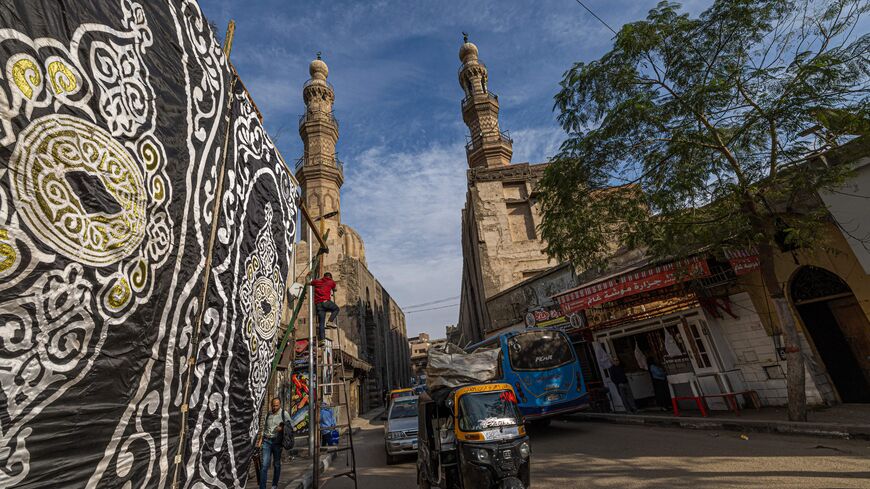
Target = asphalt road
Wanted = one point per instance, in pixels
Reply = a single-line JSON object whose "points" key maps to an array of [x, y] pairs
{"points": [[572, 454]]}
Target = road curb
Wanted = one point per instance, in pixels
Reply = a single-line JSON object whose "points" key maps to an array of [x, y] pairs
{"points": [[824, 430], [306, 481]]}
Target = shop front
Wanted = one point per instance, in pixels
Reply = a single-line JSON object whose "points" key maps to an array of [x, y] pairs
{"points": [[656, 318]]}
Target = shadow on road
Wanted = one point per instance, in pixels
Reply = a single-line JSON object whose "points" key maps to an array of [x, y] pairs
{"points": [[610, 456]]}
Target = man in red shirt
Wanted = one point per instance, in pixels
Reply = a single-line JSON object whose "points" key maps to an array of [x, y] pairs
{"points": [[323, 288]]}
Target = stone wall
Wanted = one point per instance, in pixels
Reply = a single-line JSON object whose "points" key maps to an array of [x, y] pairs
{"points": [[500, 242], [371, 323], [511, 306], [750, 349]]}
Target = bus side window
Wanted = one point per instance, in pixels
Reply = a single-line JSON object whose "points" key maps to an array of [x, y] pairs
{"points": [[500, 373]]}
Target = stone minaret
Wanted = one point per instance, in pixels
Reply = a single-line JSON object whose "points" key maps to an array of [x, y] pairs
{"points": [[319, 172], [487, 146]]}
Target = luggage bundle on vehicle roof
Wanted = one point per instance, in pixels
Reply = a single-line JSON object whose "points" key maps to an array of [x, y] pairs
{"points": [[449, 366]]}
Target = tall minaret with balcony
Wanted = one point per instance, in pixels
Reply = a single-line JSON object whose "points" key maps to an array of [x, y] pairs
{"points": [[487, 146], [319, 172]]}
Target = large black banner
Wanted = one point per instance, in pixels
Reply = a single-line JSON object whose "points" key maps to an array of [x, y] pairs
{"points": [[250, 263], [146, 225]]}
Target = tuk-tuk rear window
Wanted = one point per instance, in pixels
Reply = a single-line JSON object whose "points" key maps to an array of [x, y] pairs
{"points": [[539, 350], [486, 410]]}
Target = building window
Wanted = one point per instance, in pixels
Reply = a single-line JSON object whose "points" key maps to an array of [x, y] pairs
{"points": [[521, 223]]}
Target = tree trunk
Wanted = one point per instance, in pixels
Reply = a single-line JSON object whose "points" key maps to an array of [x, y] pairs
{"points": [[795, 373]]}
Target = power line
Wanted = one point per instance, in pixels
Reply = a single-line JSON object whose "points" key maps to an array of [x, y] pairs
{"points": [[433, 302], [597, 17], [432, 308]]}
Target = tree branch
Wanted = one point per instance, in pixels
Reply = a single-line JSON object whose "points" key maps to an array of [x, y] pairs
{"points": [[720, 146], [774, 139]]}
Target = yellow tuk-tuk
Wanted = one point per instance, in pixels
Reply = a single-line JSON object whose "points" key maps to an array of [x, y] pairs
{"points": [[472, 437], [396, 393]]}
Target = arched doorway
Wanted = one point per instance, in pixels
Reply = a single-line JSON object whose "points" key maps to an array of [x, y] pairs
{"points": [[838, 327]]}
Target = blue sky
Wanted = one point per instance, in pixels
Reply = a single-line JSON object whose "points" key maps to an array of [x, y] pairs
{"points": [[394, 64]]}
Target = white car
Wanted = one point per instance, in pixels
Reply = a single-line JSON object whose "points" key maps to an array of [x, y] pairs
{"points": [[400, 429]]}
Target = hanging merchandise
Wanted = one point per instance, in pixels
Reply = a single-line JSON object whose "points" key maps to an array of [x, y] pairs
{"points": [[602, 356], [640, 357], [671, 346]]}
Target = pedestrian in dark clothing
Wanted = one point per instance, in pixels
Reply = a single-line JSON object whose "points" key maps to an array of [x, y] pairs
{"points": [[660, 383], [617, 376], [323, 289]]}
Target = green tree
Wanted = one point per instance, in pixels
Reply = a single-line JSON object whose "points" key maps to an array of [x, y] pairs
{"points": [[694, 132]]}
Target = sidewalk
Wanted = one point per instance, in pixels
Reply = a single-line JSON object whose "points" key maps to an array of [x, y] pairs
{"points": [[290, 469], [842, 421], [296, 474]]}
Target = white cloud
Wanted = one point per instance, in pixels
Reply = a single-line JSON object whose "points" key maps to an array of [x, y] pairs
{"points": [[536, 144], [406, 206]]}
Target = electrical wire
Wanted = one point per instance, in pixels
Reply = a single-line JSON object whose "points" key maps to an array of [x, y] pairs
{"points": [[431, 303], [597, 17], [431, 308]]}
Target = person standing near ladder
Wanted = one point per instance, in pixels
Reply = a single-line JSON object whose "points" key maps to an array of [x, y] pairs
{"points": [[271, 443], [323, 289]]}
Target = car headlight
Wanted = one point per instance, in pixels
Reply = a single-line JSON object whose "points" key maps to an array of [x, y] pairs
{"points": [[394, 435], [525, 450], [480, 455]]}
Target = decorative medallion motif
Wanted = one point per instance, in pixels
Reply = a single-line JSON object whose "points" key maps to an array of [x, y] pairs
{"points": [[260, 292], [79, 190]]}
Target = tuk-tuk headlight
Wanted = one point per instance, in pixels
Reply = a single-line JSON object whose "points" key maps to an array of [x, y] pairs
{"points": [[525, 450], [480, 455]]}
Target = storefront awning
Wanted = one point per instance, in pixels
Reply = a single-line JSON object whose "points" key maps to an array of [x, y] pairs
{"points": [[631, 283], [354, 362]]}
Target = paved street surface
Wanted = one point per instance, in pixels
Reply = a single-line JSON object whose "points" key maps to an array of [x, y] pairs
{"points": [[600, 455]]}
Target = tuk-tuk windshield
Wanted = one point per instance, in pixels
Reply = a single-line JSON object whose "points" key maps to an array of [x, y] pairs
{"points": [[486, 410]]}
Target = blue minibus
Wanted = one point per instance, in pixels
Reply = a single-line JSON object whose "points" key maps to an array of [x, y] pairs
{"points": [[544, 370]]}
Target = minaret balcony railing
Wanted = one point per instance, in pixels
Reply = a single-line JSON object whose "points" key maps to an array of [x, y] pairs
{"points": [[466, 65], [475, 143], [312, 81], [468, 98], [316, 114], [335, 162]]}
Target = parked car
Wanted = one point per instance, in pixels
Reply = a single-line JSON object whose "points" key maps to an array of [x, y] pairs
{"points": [[400, 429]]}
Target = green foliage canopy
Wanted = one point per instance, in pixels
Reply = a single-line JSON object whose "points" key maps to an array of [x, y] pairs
{"points": [[693, 132]]}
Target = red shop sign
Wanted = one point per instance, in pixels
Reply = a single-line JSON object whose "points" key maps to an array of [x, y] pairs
{"points": [[631, 284], [743, 261]]}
